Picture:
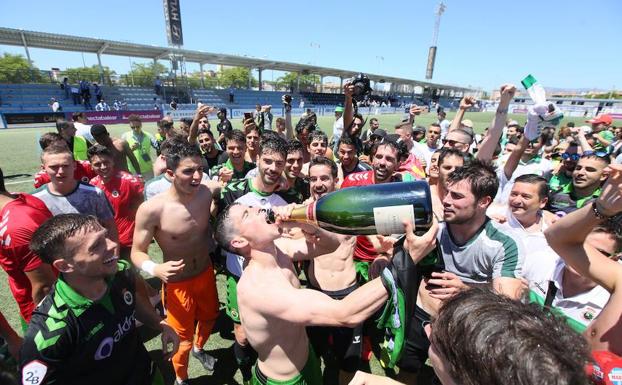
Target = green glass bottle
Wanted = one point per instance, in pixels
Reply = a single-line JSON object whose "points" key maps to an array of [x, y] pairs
{"points": [[367, 210]]}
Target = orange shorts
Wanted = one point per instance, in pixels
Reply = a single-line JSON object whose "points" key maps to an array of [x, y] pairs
{"points": [[190, 301]]}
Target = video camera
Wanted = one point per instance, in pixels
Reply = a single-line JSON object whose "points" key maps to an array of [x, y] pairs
{"points": [[362, 87]]}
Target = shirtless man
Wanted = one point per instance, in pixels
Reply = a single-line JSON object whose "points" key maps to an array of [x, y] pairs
{"points": [[274, 309], [120, 149], [333, 274], [178, 219]]}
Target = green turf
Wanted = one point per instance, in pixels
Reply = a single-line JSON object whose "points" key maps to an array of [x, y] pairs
{"points": [[19, 154]]}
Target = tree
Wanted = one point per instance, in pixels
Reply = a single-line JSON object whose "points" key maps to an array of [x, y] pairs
{"points": [[16, 69], [307, 81], [235, 77], [145, 74], [88, 73]]}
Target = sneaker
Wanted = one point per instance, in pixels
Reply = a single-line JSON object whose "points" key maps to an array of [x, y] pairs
{"points": [[182, 382], [205, 359]]}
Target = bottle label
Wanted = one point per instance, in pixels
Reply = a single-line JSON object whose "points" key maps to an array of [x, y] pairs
{"points": [[388, 219]]}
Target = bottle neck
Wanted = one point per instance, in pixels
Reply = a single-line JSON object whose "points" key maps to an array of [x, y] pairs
{"points": [[304, 213]]}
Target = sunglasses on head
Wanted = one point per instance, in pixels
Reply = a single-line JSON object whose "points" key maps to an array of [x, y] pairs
{"points": [[575, 157], [600, 154]]}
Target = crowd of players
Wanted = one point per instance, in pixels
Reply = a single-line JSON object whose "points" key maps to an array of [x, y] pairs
{"points": [[524, 281]]}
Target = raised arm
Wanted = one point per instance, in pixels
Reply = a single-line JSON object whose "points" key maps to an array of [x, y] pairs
{"points": [[489, 144], [312, 307], [466, 103], [348, 108], [512, 163], [567, 238], [202, 112]]}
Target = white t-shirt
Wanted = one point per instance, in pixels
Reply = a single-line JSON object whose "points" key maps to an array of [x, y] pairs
{"points": [[84, 130], [423, 152], [539, 259], [538, 166], [579, 310], [338, 128], [444, 127]]}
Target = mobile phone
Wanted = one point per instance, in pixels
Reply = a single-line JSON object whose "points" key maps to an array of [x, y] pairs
{"points": [[248, 115]]}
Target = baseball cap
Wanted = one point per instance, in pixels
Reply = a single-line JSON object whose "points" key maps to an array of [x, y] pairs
{"points": [[222, 110], [606, 119], [419, 129], [511, 123], [467, 123], [380, 133], [606, 369], [338, 109], [98, 130]]}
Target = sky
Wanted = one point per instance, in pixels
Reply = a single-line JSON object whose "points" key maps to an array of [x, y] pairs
{"points": [[483, 44]]}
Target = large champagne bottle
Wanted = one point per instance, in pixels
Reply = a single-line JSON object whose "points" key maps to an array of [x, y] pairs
{"points": [[373, 209]]}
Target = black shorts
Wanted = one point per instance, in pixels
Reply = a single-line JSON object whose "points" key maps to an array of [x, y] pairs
{"points": [[345, 343], [417, 343]]}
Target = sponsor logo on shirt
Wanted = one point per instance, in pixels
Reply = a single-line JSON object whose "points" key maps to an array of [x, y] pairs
{"points": [[106, 346]]}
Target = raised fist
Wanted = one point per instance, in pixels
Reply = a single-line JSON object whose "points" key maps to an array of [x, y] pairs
{"points": [[467, 102]]}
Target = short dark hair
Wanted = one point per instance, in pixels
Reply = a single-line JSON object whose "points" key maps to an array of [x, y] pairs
{"points": [[305, 124], [611, 229], [165, 124], [273, 145], [181, 151], [49, 138], [98, 150], [62, 124], [295, 146], [186, 121], [373, 120], [77, 115], [604, 159], [2, 188], [318, 135], [134, 118], [543, 186], [386, 143], [446, 152], [478, 332], [347, 140], [236, 136], [48, 241], [435, 125], [169, 145], [481, 175], [206, 131], [224, 232], [324, 161]]}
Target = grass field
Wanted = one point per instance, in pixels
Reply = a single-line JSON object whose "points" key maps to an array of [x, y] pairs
{"points": [[19, 154]]}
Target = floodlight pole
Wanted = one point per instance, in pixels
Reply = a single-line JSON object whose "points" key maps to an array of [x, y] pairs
{"points": [[432, 52]]}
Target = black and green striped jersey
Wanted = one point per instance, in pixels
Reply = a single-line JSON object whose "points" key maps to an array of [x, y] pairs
{"points": [[73, 340]]}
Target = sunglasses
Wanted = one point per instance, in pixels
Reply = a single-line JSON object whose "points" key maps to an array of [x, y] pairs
{"points": [[451, 142], [575, 157], [600, 154]]}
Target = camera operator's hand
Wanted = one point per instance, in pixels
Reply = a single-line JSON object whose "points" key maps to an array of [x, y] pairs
{"points": [[467, 102], [416, 110], [610, 200], [348, 90], [507, 92], [249, 123]]}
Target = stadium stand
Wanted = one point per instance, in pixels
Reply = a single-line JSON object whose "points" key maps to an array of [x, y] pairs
{"points": [[316, 98]]}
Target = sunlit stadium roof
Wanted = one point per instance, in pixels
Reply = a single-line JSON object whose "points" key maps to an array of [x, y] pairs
{"points": [[32, 39]]}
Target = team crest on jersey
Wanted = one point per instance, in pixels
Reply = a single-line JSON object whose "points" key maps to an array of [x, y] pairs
{"points": [[115, 194], [234, 313], [589, 314], [128, 298]]}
